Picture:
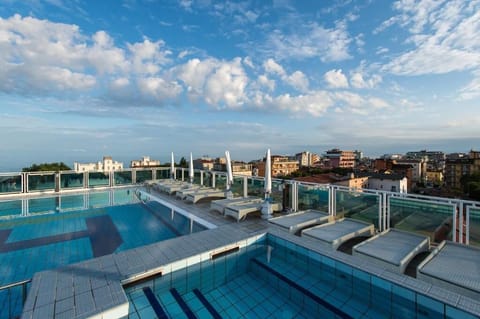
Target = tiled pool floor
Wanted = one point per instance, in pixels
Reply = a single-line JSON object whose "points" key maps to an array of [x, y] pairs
{"points": [[247, 296]]}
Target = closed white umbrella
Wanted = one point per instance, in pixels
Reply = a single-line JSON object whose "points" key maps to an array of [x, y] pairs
{"points": [[268, 175], [190, 169], [172, 168], [229, 193], [267, 207]]}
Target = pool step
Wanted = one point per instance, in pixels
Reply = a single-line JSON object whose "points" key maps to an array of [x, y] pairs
{"points": [[186, 309], [299, 287], [192, 305], [159, 311]]}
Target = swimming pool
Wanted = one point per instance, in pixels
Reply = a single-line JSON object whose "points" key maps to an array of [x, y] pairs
{"points": [[49, 232], [275, 278]]}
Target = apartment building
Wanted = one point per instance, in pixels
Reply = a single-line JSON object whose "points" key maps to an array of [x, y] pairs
{"points": [[307, 159], [281, 166], [457, 167], [342, 159], [106, 165]]}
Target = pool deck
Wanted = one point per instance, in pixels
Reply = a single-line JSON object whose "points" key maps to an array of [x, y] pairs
{"points": [[94, 288]]}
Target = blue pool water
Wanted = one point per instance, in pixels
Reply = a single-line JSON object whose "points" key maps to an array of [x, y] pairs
{"points": [[52, 239], [293, 283]]}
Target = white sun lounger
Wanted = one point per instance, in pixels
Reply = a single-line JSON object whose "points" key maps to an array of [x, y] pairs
{"points": [[182, 193], [297, 221], [454, 267], [392, 249], [333, 234], [204, 193], [220, 204], [171, 189], [240, 211]]}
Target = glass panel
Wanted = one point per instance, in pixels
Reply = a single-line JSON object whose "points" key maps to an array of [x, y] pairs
{"points": [[99, 199], [11, 183], [71, 180], [98, 179], [163, 173], [423, 217], [207, 179], [122, 178], [72, 202], [312, 197], [358, 205], [42, 205], [237, 186], [255, 187], [220, 181], [277, 191], [143, 176], [475, 226], [11, 208], [179, 174], [196, 178], [41, 182]]}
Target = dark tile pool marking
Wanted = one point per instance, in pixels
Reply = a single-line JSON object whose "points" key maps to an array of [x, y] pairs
{"points": [[207, 304], [157, 307], [186, 309], [165, 222], [103, 234], [303, 290]]}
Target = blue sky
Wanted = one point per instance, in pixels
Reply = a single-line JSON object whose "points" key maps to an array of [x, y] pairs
{"points": [[82, 79]]}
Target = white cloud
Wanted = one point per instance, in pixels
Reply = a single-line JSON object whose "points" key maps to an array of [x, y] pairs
{"points": [[444, 36], [336, 79], [147, 56], [273, 67], [357, 80], [472, 89], [309, 41], [298, 80], [266, 82], [315, 104], [248, 62], [159, 89], [219, 83]]}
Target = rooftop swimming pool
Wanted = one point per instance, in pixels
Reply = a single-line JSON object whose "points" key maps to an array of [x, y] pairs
{"points": [[44, 233], [275, 278]]}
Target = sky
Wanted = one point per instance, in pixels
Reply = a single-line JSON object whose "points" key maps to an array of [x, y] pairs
{"points": [[81, 79]]}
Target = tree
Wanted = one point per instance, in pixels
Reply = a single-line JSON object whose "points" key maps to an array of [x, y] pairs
{"points": [[50, 167], [471, 185], [183, 162]]}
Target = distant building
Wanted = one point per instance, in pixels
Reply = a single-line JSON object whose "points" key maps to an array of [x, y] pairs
{"points": [[144, 162], [388, 182], [106, 165], [419, 168], [435, 159], [434, 177], [204, 163], [238, 167], [281, 166], [456, 167], [307, 159], [342, 159]]}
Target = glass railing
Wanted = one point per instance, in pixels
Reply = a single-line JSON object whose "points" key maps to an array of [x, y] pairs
{"points": [[255, 187], [432, 216], [11, 183], [122, 178], [433, 219], [473, 224], [71, 180], [100, 199], [142, 176], [237, 186], [220, 181], [162, 173], [358, 205], [43, 205], [312, 197], [97, 179], [41, 182]]}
